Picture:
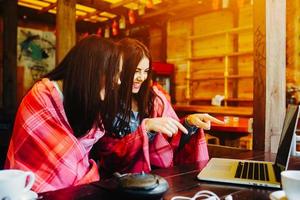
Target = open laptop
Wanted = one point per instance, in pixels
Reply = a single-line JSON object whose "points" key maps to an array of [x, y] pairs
{"points": [[251, 172]]}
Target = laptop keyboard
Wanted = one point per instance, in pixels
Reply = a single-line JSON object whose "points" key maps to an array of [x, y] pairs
{"points": [[252, 170]]}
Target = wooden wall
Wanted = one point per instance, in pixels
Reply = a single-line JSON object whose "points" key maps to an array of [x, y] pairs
{"points": [[212, 56], [177, 52], [293, 44], [245, 62], [157, 44], [210, 70]]}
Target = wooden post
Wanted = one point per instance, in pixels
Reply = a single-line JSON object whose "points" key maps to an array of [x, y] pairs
{"points": [[10, 21], [65, 27], [269, 72]]}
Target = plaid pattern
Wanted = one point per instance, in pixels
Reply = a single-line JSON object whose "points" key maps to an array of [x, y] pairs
{"points": [[43, 142], [134, 152]]}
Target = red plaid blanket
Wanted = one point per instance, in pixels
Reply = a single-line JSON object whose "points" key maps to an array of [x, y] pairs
{"points": [[134, 153], [43, 142]]}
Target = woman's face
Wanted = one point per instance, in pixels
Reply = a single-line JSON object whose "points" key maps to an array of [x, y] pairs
{"points": [[141, 74], [116, 80]]}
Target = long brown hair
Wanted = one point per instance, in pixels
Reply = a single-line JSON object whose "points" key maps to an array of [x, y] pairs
{"points": [[92, 64], [133, 51]]}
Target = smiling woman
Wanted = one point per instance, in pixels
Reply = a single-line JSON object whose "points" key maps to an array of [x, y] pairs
{"points": [[141, 74], [147, 132]]}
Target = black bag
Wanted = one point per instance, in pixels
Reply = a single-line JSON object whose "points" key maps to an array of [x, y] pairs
{"points": [[135, 186]]}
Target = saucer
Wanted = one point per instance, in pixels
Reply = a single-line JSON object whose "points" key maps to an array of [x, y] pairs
{"points": [[28, 195], [278, 195]]}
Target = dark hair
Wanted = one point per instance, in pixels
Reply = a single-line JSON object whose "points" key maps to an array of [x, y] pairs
{"points": [[92, 64], [132, 51]]}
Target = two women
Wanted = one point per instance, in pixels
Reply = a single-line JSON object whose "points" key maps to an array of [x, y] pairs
{"points": [[146, 132], [75, 105], [62, 116]]}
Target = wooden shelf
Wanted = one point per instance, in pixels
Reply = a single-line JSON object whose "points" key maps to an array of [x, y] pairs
{"points": [[239, 99], [223, 110], [222, 55], [207, 78], [228, 31], [201, 99], [228, 99], [222, 77], [228, 55], [239, 76]]}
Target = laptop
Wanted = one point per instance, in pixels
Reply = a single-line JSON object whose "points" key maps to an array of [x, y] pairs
{"points": [[251, 172]]}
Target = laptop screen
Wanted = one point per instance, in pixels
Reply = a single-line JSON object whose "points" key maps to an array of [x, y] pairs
{"points": [[288, 130]]}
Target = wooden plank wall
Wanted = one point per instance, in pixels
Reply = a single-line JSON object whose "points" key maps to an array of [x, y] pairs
{"points": [[212, 45], [245, 62], [293, 44], [179, 50], [158, 43]]}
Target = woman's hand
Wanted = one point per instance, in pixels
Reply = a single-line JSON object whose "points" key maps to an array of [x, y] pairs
{"points": [[165, 125], [202, 120]]}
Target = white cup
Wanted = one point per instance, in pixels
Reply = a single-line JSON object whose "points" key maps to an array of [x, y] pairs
{"points": [[290, 180], [14, 183]]}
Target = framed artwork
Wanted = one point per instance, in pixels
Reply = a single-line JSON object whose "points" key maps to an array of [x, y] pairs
{"points": [[35, 56]]}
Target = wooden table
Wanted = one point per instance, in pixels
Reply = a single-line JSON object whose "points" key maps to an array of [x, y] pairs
{"points": [[239, 126], [214, 110], [182, 180], [231, 132]]}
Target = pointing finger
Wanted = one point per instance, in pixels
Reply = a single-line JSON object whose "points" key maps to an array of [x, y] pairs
{"points": [[180, 126], [213, 119]]}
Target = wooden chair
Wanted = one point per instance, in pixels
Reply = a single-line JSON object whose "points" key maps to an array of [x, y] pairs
{"points": [[210, 139]]}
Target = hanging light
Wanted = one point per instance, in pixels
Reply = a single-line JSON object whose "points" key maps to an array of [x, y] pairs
{"points": [[106, 32], [141, 10], [99, 32], [115, 28], [131, 17], [122, 22]]}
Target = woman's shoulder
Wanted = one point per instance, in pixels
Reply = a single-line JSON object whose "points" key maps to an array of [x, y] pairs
{"points": [[159, 94], [41, 91], [162, 104]]}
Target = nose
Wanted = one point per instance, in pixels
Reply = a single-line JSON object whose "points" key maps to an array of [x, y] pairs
{"points": [[119, 81], [142, 76]]}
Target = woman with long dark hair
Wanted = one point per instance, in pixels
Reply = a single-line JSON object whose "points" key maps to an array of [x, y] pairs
{"points": [[62, 116], [147, 132]]}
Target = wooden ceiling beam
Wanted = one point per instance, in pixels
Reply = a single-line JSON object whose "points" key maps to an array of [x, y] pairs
{"points": [[121, 3], [88, 15], [104, 6], [171, 9], [28, 14], [46, 9]]}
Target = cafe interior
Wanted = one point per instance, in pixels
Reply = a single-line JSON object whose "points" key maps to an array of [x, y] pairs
{"points": [[237, 60]]}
